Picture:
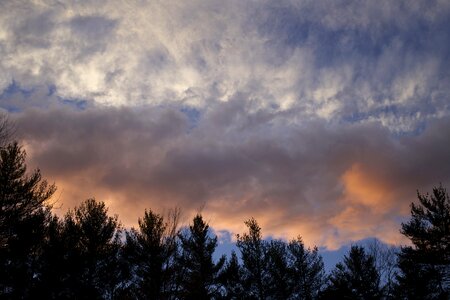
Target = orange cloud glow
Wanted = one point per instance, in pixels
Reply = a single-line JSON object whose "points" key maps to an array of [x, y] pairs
{"points": [[331, 188], [363, 188]]}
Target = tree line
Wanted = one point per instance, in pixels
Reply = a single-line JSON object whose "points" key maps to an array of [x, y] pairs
{"points": [[88, 255]]}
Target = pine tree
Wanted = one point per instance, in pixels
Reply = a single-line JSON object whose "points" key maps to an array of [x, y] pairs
{"points": [[279, 284], [151, 251], [307, 269], [253, 253], [81, 256], [99, 246], [24, 215], [53, 278], [355, 278], [199, 272], [231, 279], [425, 267]]}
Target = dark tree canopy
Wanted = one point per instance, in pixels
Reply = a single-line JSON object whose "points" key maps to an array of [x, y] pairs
{"points": [[355, 278], [98, 245], [200, 274], [24, 215], [22, 196], [425, 267], [429, 227], [253, 253], [82, 255], [151, 251], [306, 269], [6, 130], [231, 279], [278, 278]]}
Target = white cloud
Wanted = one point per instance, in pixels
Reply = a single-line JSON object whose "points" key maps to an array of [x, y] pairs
{"points": [[328, 60]]}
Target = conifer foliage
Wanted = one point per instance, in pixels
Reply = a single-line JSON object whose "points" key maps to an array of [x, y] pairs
{"points": [[200, 273], [81, 258], [355, 278], [253, 252], [150, 252], [279, 270], [24, 216], [425, 266], [307, 273]]}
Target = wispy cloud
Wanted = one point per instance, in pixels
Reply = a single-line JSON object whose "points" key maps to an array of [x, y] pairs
{"points": [[346, 60]]}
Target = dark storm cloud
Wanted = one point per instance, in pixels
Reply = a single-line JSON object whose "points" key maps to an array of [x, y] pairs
{"points": [[288, 176]]}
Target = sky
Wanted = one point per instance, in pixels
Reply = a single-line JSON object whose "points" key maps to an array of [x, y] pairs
{"points": [[317, 118]]}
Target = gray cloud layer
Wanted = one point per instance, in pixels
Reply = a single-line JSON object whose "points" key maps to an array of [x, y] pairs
{"points": [[331, 184]]}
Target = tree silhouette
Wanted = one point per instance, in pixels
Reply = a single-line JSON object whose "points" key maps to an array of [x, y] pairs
{"points": [[355, 278], [53, 282], [385, 258], [200, 274], [151, 251], [231, 279], [425, 267], [279, 278], [82, 255], [6, 130], [307, 269], [24, 214], [279, 270], [253, 253]]}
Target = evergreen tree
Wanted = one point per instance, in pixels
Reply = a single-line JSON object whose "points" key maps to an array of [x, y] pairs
{"points": [[425, 267], [231, 279], [53, 280], [6, 130], [199, 272], [24, 215], [279, 284], [99, 246], [151, 251], [82, 255], [253, 253], [307, 270], [355, 278]]}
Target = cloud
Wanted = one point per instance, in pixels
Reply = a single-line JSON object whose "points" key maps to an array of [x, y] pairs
{"points": [[351, 61], [329, 184], [316, 118]]}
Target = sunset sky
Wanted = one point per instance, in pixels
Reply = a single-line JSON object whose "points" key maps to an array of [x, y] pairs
{"points": [[318, 118]]}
